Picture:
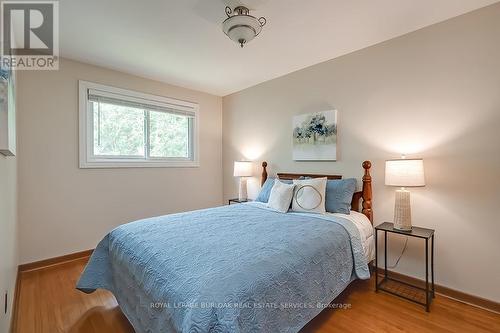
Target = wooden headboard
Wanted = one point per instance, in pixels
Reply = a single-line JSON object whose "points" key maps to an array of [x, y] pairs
{"points": [[364, 196]]}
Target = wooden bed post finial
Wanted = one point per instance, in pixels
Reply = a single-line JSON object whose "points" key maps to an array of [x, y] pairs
{"points": [[264, 173], [367, 191]]}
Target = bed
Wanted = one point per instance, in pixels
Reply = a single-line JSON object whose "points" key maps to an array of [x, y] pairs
{"points": [[239, 268]]}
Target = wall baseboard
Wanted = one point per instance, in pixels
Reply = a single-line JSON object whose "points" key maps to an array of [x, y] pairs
{"points": [[33, 266], [448, 292]]}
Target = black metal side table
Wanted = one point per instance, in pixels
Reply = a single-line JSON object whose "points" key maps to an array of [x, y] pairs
{"points": [[238, 201], [390, 284]]}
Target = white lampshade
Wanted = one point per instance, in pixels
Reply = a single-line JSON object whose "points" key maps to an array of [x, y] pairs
{"points": [[404, 173], [243, 169]]}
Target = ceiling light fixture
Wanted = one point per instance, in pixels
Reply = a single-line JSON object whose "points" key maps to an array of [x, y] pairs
{"points": [[240, 26]]}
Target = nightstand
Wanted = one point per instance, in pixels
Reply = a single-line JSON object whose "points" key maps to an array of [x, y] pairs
{"points": [[238, 201], [400, 288]]}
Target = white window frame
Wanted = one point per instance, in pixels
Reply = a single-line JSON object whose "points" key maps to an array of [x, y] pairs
{"points": [[86, 130]]}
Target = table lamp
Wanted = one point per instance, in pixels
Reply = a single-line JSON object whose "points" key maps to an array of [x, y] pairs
{"points": [[404, 173], [242, 169]]}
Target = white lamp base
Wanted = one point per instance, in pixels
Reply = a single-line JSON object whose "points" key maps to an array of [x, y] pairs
{"points": [[402, 211], [242, 193]]}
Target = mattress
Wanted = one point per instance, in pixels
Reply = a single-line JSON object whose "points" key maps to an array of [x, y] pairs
{"points": [[365, 229]]}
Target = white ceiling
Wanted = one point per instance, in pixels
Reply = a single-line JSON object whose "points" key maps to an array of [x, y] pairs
{"points": [[180, 41]]}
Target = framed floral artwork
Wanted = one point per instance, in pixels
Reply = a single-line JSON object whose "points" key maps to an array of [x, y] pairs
{"points": [[315, 136]]}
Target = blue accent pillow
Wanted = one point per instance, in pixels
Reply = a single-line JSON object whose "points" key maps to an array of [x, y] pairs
{"points": [[266, 189], [339, 195]]}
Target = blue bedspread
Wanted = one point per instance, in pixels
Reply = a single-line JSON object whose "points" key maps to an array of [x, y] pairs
{"points": [[239, 268]]}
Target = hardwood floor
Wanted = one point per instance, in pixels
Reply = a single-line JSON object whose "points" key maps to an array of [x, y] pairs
{"points": [[49, 303]]}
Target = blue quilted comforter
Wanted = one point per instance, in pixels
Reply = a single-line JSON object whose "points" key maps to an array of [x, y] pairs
{"points": [[239, 268]]}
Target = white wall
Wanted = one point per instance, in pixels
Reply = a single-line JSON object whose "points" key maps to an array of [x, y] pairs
{"points": [[64, 209], [433, 93], [8, 236]]}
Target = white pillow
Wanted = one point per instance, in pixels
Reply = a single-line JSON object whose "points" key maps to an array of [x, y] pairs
{"points": [[281, 196], [309, 195]]}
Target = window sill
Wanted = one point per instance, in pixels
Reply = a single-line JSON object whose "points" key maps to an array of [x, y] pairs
{"points": [[138, 164]]}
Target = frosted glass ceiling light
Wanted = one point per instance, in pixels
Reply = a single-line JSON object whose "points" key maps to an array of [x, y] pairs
{"points": [[240, 26]]}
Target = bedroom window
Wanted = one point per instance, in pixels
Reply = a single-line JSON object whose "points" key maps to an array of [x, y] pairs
{"points": [[122, 128]]}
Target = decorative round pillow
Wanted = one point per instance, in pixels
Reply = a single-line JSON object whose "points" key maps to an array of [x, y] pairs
{"points": [[308, 197]]}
